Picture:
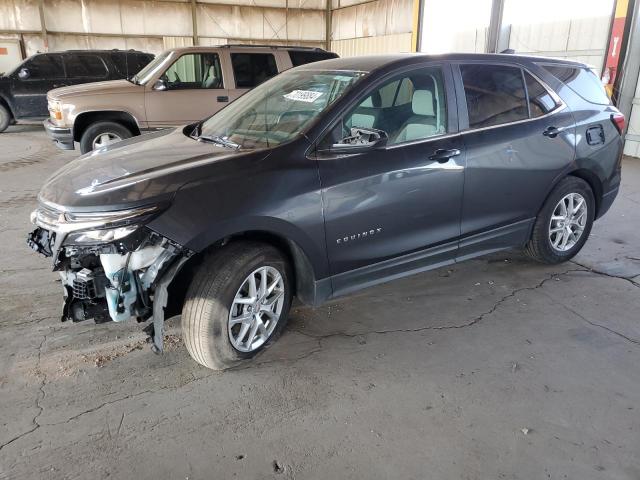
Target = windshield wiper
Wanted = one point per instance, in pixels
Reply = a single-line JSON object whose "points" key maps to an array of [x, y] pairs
{"points": [[218, 141]]}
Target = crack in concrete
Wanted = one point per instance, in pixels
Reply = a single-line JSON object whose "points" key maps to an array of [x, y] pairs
{"points": [[39, 398], [605, 274], [470, 323]]}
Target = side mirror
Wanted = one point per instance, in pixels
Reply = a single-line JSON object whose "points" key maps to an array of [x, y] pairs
{"points": [[160, 85], [24, 73], [361, 140]]}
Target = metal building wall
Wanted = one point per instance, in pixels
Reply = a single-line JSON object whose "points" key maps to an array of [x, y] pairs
{"points": [[360, 27], [155, 25]]}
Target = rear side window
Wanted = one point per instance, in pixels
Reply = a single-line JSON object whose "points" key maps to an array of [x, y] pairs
{"points": [[85, 66], [495, 94], [302, 57], [582, 81], [540, 100], [128, 64], [45, 67], [251, 69]]}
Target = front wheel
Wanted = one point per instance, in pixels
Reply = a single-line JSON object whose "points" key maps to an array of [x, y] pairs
{"points": [[236, 305], [100, 134], [5, 118], [564, 223]]}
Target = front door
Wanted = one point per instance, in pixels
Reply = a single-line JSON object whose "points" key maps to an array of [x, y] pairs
{"points": [[519, 138], [191, 89], [33, 80], [396, 208]]}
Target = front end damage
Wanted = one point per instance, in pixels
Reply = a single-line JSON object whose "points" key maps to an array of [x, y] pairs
{"points": [[112, 267]]}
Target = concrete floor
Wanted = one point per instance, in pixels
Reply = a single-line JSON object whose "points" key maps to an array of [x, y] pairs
{"points": [[494, 368]]}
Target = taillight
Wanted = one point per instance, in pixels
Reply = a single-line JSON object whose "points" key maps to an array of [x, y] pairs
{"points": [[618, 121]]}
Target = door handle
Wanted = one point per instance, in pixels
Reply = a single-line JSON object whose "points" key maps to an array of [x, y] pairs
{"points": [[552, 132], [223, 99], [443, 156]]}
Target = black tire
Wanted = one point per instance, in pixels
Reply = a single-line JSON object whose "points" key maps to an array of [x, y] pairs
{"points": [[539, 246], [5, 118], [205, 314], [94, 130]]}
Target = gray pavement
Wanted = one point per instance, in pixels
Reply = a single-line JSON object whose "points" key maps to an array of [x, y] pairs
{"points": [[498, 368]]}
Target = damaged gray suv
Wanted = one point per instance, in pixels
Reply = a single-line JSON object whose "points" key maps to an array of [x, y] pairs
{"points": [[326, 179]]}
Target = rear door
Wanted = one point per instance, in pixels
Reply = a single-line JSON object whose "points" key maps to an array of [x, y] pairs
{"points": [[519, 138], [397, 208], [84, 68], [45, 72], [195, 88], [250, 69]]}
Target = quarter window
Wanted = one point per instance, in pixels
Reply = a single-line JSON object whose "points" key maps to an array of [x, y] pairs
{"points": [[251, 69], [408, 108], [540, 101], [582, 81], [194, 71], [84, 66], [495, 94]]}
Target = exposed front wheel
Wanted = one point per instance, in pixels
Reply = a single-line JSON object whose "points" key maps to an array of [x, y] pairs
{"points": [[5, 118], [100, 134], [237, 304], [564, 223]]}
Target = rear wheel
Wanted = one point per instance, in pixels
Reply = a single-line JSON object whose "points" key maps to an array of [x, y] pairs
{"points": [[564, 223], [5, 118], [101, 134], [237, 304]]}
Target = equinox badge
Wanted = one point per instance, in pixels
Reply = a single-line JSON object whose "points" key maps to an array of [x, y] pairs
{"points": [[358, 236]]}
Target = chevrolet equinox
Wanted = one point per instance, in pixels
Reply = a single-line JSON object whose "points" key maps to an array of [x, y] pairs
{"points": [[325, 179]]}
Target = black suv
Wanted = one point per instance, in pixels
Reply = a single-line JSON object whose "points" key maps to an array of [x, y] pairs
{"points": [[328, 178], [23, 91]]}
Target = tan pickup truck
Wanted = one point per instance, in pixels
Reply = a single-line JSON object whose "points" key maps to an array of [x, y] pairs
{"points": [[180, 86]]}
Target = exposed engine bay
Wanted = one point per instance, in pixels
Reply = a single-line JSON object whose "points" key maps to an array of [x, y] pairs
{"points": [[111, 267]]}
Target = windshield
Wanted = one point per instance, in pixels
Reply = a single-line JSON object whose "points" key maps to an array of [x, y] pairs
{"points": [[278, 110], [144, 75]]}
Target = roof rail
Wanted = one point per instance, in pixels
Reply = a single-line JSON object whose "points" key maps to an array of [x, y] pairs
{"points": [[287, 47]]}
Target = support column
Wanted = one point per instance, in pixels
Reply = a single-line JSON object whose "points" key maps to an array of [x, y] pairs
{"points": [[194, 21], [495, 25], [327, 38], [43, 26]]}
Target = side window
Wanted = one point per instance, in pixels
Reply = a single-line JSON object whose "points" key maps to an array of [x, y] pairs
{"points": [[84, 66], [251, 69], [540, 101], [495, 94], [582, 81], [408, 108], [45, 67], [302, 57], [194, 70]]}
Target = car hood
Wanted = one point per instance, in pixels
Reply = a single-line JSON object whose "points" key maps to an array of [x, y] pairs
{"points": [[95, 88], [139, 171]]}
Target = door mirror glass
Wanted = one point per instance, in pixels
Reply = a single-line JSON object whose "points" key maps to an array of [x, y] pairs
{"points": [[160, 85], [24, 74], [360, 140]]}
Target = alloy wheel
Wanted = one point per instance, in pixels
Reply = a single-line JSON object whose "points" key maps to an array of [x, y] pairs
{"points": [[568, 222], [105, 139], [256, 309]]}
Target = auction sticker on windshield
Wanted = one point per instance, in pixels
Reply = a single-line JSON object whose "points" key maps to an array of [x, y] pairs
{"points": [[308, 96]]}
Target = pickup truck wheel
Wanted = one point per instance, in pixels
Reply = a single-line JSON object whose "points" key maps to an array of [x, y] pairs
{"points": [[5, 118], [564, 223], [100, 134], [236, 305]]}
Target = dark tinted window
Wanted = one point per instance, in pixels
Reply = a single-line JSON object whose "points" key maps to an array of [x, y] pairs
{"points": [[495, 94], [582, 81], [301, 57], [45, 66], [251, 69], [540, 101], [85, 66], [128, 64]]}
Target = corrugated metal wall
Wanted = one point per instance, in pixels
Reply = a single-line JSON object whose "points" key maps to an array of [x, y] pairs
{"points": [[379, 26], [154, 25]]}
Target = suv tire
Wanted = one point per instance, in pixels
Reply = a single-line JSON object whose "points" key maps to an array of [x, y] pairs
{"points": [[92, 135], [211, 326], [5, 118], [556, 220]]}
